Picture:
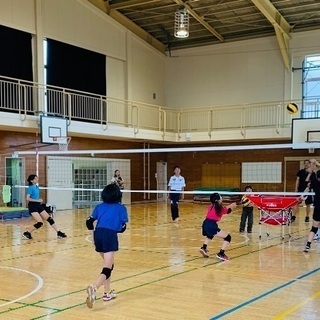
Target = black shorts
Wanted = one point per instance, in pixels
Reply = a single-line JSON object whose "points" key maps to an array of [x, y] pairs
{"points": [[316, 214], [210, 228], [35, 207], [309, 200], [106, 240]]}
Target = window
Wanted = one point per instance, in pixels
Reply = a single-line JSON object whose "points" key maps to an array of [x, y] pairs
{"points": [[311, 87]]}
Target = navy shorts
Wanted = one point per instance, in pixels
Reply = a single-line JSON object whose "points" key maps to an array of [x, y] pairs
{"points": [[35, 207], [106, 240], [210, 228]]}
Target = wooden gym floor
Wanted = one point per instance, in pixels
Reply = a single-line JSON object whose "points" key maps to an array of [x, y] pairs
{"points": [[159, 272]]}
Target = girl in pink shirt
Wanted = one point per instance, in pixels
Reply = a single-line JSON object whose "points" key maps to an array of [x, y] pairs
{"points": [[210, 227]]}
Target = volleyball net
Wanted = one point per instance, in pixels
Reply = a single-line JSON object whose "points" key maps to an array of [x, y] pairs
{"points": [[69, 178]]}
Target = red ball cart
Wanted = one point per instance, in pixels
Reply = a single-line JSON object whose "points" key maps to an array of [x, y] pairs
{"points": [[275, 210]]}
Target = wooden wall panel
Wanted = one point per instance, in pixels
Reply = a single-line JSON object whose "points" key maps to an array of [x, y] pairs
{"points": [[221, 175]]}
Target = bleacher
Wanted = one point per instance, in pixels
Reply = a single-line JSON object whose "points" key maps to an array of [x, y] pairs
{"points": [[205, 197]]}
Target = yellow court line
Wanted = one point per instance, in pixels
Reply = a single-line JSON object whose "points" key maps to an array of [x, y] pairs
{"points": [[294, 308]]}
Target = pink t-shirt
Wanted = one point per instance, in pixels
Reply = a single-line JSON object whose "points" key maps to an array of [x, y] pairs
{"points": [[212, 215]]}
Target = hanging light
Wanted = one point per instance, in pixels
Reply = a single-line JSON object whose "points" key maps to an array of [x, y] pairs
{"points": [[181, 23]]}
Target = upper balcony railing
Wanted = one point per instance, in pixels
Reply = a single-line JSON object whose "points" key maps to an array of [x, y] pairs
{"points": [[29, 98]]}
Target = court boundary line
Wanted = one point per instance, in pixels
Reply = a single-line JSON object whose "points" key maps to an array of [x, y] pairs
{"points": [[248, 302], [38, 287]]}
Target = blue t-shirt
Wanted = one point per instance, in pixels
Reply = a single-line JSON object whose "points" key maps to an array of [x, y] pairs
{"points": [[34, 192], [110, 215]]}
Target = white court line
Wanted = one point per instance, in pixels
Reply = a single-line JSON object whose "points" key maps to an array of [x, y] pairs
{"points": [[40, 284], [87, 238]]}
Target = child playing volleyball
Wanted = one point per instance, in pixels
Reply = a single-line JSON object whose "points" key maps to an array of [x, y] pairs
{"points": [[111, 218], [36, 209], [210, 227]]}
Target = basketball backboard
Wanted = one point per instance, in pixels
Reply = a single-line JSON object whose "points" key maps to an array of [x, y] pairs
{"points": [[305, 130], [53, 128]]}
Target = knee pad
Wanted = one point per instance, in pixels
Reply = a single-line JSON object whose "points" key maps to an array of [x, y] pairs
{"points": [[38, 225], [227, 238], [314, 229], [51, 221], [107, 272]]}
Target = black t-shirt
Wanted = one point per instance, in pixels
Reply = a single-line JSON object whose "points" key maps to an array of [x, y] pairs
{"points": [[302, 174], [315, 185]]}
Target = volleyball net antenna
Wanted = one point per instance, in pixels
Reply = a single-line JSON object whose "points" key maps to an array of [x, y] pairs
{"points": [[70, 178]]}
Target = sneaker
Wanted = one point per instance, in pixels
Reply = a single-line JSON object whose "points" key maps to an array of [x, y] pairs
{"points": [[307, 248], [61, 235], [27, 235], [91, 291], [241, 231], [306, 219], [108, 296], [222, 256], [204, 252]]}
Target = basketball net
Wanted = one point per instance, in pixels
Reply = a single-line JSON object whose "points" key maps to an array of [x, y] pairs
{"points": [[63, 142]]}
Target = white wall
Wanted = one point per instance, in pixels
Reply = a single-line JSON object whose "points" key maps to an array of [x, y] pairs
{"points": [[147, 75], [18, 14], [235, 73], [244, 72]]}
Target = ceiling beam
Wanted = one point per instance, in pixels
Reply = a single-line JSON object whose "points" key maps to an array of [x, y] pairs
{"points": [[129, 4], [105, 7], [200, 20], [100, 4], [281, 27], [115, 14]]}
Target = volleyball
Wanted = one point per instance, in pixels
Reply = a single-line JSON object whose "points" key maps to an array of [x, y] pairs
{"points": [[245, 201], [292, 108]]}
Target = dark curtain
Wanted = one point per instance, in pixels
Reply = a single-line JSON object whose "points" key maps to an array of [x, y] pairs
{"points": [[75, 68], [15, 54]]}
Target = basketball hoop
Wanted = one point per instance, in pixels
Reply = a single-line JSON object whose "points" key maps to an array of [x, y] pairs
{"points": [[63, 142], [311, 149]]}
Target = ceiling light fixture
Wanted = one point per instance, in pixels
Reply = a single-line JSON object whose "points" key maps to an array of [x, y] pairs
{"points": [[181, 23]]}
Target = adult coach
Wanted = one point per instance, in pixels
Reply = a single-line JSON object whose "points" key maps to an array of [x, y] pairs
{"points": [[176, 183], [301, 185]]}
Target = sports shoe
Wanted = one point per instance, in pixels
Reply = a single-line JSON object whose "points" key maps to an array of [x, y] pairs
{"points": [[222, 256], [108, 296], [91, 298], [61, 235], [307, 248], [204, 252], [27, 235], [316, 237], [306, 219]]}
